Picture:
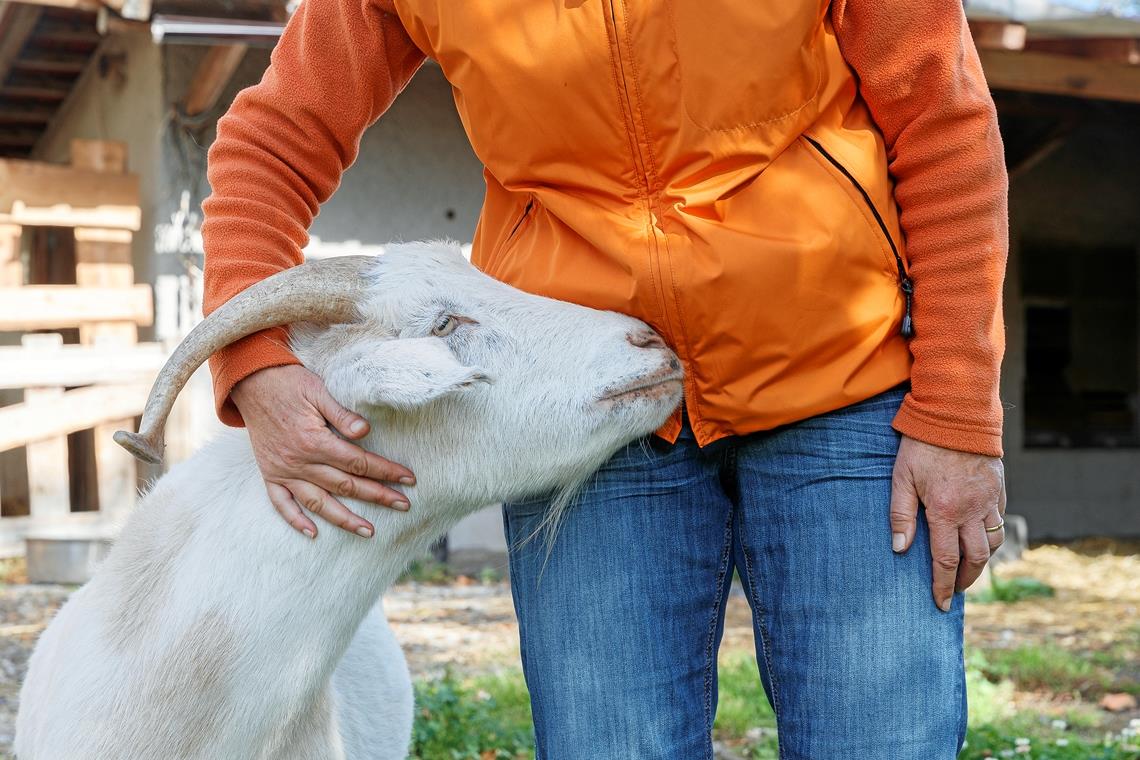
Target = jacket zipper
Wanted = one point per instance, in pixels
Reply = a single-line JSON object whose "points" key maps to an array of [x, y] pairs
{"points": [[906, 285], [522, 218]]}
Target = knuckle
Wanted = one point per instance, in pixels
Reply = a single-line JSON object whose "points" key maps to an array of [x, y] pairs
{"points": [[316, 506], [358, 465], [345, 486], [946, 561]]}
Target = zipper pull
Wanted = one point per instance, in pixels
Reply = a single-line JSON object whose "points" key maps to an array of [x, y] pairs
{"points": [[907, 287]]}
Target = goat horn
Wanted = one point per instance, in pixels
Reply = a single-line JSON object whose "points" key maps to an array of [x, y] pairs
{"points": [[326, 291]]}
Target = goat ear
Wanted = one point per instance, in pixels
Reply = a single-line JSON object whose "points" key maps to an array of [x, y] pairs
{"points": [[402, 374]]}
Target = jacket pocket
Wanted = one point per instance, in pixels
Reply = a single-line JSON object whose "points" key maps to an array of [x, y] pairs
{"points": [[879, 227], [512, 237]]}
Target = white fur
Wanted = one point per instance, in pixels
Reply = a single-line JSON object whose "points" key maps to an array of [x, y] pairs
{"points": [[213, 630]]}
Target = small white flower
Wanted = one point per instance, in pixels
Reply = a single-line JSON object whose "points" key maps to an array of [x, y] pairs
{"points": [[1024, 749], [1128, 733], [1060, 725], [1006, 753], [1062, 742], [1134, 723], [1021, 741]]}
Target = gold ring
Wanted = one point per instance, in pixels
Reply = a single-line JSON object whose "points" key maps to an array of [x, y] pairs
{"points": [[996, 528]]}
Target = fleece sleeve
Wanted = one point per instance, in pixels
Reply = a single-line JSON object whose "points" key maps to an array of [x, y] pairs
{"points": [[280, 152], [921, 78]]}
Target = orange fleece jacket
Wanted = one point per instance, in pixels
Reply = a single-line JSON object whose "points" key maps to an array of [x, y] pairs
{"points": [[284, 144]]}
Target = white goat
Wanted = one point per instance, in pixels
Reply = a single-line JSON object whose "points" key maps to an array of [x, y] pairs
{"points": [[213, 630]]}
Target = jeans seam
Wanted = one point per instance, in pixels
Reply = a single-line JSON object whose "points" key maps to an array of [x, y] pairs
{"points": [[765, 645], [714, 618]]}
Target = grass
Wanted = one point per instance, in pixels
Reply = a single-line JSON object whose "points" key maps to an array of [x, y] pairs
{"points": [[1011, 590], [488, 717]]}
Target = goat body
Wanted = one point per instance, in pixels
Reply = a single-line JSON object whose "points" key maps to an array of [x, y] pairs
{"points": [[214, 630]]}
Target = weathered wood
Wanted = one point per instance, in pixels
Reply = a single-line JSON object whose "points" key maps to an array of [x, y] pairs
{"points": [[103, 260], [135, 9], [67, 412], [48, 307], [19, 22], [99, 156], [11, 267], [1124, 50], [214, 73], [997, 34], [1061, 75], [34, 193], [79, 365], [49, 493]]}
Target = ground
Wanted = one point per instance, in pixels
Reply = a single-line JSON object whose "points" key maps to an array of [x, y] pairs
{"points": [[1042, 669]]}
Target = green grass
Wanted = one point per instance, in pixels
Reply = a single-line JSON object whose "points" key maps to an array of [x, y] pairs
{"points": [[1042, 668], [488, 717], [1011, 590]]}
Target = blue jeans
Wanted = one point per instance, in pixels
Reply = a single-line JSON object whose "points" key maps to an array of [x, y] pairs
{"points": [[621, 621]]}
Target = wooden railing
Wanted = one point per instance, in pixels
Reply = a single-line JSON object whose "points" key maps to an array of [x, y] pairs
{"points": [[97, 382]]}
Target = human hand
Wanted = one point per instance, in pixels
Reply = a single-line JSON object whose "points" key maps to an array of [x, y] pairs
{"points": [[288, 411], [963, 495]]}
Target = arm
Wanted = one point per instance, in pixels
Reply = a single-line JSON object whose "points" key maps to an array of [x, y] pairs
{"points": [[921, 78], [280, 153]]}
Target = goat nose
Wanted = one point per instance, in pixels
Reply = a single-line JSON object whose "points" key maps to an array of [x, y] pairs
{"points": [[646, 339]]}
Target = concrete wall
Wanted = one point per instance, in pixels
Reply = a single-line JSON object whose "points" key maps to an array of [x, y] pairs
{"points": [[1085, 194]]}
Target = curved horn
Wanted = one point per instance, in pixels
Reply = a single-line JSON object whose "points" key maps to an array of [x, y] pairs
{"points": [[326, 291]]}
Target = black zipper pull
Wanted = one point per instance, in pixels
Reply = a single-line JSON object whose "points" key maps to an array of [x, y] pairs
{"points": [[907, 287]]}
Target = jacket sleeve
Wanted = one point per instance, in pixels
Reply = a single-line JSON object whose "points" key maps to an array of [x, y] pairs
{"points": [[921, 78], [280, 152]]}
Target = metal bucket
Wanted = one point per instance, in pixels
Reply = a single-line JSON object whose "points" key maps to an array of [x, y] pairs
{"points": [[65, 555]]}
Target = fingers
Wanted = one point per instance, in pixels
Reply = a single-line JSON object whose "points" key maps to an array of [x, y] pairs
{"points": [[904, 508], [364, 464], [975, 548], [348, 424], [997, 537], [945, 559], [288, 508], [339, 483], [319, 502]]}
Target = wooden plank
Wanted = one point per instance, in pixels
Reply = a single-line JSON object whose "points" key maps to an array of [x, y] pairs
{"points": [[26, 115], [127, 8], [49, 493], [214, 73], [1061, 75], [34, 92], [34, 193], [71, 65], [48, 307], [997, 34], [69, 411], [103, 260], [80, 365], [99, 156], [19, 21], [1118, 49], [11, 267]]}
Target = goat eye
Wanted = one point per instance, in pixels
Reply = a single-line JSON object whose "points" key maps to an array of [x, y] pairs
{"points": [[445, 326]]}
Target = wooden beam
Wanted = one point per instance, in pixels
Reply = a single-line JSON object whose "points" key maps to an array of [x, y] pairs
{"points": [[133, 9], [1061, 75], [34, 193], [1118, 49], [79, 365], [21, 424], [997, 34], [49, 307], [11, 266], [99, 156], [77, 5], [19, 21], [214, 73]]}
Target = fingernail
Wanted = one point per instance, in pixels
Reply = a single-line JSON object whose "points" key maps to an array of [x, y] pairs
{"points": [[309, 533], [402, 505], [363, 532], [357, 427], [898, 541], [945, 606], [408, 481]]}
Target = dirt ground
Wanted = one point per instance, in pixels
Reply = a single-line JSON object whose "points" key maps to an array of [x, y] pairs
{"points": [[470, 626]]}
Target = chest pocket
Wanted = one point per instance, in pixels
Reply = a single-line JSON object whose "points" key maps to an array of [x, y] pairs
{"points": [[749, 63]]}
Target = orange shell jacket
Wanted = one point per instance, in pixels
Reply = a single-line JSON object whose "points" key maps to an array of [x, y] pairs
{"points": [[784, 190]]}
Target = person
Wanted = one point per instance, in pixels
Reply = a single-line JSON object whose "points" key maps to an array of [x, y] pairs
{"points": [[807, 200]]}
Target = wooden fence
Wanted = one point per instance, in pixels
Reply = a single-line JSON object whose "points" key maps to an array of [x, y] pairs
{"points": [[67, 286]]}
